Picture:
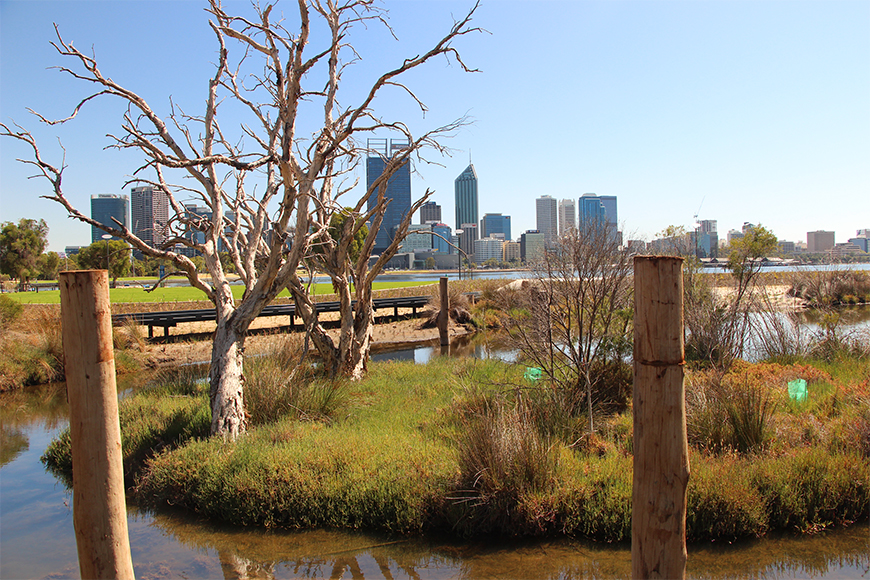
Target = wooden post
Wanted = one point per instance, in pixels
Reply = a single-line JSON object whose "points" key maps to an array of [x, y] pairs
{"points": [[444, 315], [99, 508], [661, 453]]}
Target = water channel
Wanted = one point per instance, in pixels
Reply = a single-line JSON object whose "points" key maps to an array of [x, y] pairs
{"points": [[37, 538]]}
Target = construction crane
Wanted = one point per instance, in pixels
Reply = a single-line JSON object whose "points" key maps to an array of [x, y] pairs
{"points": [[695, 217]]}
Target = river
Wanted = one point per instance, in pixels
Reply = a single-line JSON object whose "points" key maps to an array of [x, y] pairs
{"points": [[430, 276], [37, 539]]}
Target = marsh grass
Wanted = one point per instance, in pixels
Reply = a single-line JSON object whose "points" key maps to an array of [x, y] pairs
{"points": [[453, 446], [502, 459], [733, 412], [31, 348], [10, 311], [279, 384], [831, 287], [173, 411], [129, 336]]}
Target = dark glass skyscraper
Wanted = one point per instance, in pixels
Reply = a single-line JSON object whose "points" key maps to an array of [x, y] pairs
{"points": [[592, 211], [495, 223], [600, 210], [104, 207], [466, 197], [610, 213], [398, 190], [440, 244]]}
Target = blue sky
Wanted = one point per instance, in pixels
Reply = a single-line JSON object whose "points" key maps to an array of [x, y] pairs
{"points": [[753, 111]]}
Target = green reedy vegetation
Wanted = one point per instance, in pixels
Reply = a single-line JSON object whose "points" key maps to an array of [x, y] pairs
{"points": [[31, 347], [456, 445], [825, 288]]}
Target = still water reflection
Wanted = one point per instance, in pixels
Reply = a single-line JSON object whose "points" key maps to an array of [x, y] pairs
{"points": [[38, 541]]}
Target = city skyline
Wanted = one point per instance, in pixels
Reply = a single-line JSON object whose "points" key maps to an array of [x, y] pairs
{"points": [[735, 112]]}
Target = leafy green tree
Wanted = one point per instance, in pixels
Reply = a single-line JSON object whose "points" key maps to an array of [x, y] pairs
{"points": [[48, 265], [21, 245], [117, 253], [227, 262], [335, 230], [199, 262], [430, 263], [748, 253], [70, 262], [718, 327]]}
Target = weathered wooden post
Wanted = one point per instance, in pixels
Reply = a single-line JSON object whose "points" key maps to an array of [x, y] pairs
{"points": [[661, 454], [99, 508], [444, 315]]}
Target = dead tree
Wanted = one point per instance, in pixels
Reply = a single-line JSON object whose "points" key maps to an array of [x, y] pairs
{"points": [[573, 318], [268, 229]]}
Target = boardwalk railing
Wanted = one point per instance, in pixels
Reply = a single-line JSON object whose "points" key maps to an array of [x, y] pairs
{"points": [[170, 318]]}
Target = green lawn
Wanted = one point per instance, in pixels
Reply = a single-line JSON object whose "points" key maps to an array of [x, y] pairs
{"points": [[178, 294]]}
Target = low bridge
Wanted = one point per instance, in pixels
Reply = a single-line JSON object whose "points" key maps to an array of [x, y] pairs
{"points": [[170, 318]]}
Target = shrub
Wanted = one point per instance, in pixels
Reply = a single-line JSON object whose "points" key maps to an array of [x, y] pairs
{"points": [[502, 458], [722, 501], [10, 311], [725, 412], [273, 390], [150, 423], [812, 489]]}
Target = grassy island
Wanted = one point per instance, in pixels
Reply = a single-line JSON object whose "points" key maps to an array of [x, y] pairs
{"points": [[468, 446]]}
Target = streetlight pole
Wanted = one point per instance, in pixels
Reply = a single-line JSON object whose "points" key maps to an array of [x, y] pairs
{"points": [[458, 256], [451, 244], [107, 237]]}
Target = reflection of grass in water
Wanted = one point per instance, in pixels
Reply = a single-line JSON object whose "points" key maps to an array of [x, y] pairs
{"points": [[13, 443], [321, 550], [44, 405]]}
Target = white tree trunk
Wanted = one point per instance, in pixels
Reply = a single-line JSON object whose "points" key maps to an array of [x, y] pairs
{"points": [[356, 357], [226, 381]]}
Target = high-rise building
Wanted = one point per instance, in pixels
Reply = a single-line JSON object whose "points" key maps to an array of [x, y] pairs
{"points": [[610, 211], [495, 223], [488, 249], [149, 214], [397, 189], [567, 216], [465, 187], [196, 213], [820, 241], [430, 212], [532, 246], [467, 237], [105, 207], [512, 251], [734, 235], [600, 210], [591, 210], [446, 233], [861, 242], [546, 215], [417, 238], [707, 243]]}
